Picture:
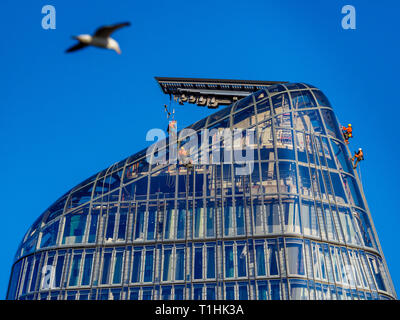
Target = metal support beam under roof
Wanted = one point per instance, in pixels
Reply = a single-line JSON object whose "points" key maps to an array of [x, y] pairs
{"points": [[210, 92]]}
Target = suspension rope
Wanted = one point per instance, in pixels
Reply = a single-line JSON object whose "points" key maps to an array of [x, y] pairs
{"points": [[359, 172]]}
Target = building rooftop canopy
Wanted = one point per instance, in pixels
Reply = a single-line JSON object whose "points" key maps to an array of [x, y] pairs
{"points": [[210, 92]]}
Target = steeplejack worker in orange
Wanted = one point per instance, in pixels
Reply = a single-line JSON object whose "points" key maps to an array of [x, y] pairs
{"points": [[347, 133], [358, 156]]}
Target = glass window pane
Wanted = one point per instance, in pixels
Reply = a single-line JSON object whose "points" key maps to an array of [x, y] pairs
{"points": [[262, 288], [340, 196], [309, 219], [305, 181], [263, 110], [302, 99], [365, 228], [210, 262], [330, 223], [378, 272], [228, 261], [275, 288], [295, 258], [342, 157], [318, 151], [181, 223], [219, 115], [147, 294], [241, 260], [258, 216], [49, 235], [151, 221], [137, 258], [275, 88], [308, 121], [229, 292], [180, 264], [260, 260], [198, 293], [351, 186], [210, 220], [273, 259], [292, 86], [244, 118], [281, 103], [331, 123], [74, 229], [269, 177], [163, 181], [283, 120], [273, 220], [328, 153], [321, 98], [178, 293], [348, 226], [106, 267], [298, 290], [35, 273], [210, 293], [167, 266], [243, 295], [123, 214], [27, 275], [240, 218], [292, 215], [228, 218], [59, 269], [87, 270], [169, 220], [76, 262], [139, 224], [244, 102], [118, 267], [199, 220], [148, 268], [301, 147], [198, 263], [166, 293], [57, 208], [93, 225], [266, 141], [284, 143], [288, 177], [109, 236], [315, 183], [80, 196], [11, 294]]}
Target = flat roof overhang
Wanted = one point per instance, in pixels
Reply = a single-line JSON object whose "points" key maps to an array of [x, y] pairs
{"points": [[210, 92]]}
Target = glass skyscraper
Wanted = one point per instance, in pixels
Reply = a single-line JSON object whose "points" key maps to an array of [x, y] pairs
{"points": [[296, 227]]}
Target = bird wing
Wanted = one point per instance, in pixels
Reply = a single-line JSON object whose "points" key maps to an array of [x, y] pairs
{"points": [[76, 47], [106, 31]]}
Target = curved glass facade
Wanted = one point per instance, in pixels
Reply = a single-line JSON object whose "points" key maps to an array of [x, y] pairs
{"points": [[296, 227]]}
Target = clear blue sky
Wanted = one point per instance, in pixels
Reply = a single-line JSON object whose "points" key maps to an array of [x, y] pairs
{"points": [[65, 117]]}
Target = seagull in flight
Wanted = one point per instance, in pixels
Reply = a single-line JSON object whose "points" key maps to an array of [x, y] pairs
{"points": [[100, 39]]}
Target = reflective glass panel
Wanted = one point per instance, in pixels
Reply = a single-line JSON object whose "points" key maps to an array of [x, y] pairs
{"points": [[241, 260], [309, 121], [76, 261], [228, 261], [321, 98], [295, 258], [302, 99], [281, 103]]}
